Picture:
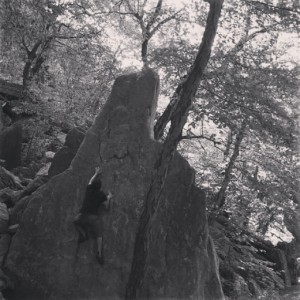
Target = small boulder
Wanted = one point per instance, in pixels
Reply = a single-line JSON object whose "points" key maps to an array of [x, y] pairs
{"points": [[8, 179], [31, 187], [8, 196], [49, 155], [65, 155], [62, 137], [12, 229], [44, 170]]}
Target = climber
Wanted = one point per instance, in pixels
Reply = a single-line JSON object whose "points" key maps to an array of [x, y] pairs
{"points": [[89, 220]]}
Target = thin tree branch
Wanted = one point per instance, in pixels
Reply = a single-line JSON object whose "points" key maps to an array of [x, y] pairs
{"points": [[151, 33], [191, 137], [153, 198], [155, 15]]}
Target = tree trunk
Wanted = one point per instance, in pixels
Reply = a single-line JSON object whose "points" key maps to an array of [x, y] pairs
{"points": [[220, 199], [145, 52], [162, 122], [185, 97], [166, 116], [34, 62]]}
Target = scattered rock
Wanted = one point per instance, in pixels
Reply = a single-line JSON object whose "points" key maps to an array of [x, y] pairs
{"points": [[12, 198], [44, 170], [49, 155], [25, 172], [31, 187], [13, 229], [6, 196], [62, 137], [8, 179]]}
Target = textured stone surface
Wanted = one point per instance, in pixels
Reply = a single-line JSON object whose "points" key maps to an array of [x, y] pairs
{"points": [[8, 179], [44, 255]]}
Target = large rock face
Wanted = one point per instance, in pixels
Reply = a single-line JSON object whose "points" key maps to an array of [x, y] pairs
{"points": [[44, 254]]}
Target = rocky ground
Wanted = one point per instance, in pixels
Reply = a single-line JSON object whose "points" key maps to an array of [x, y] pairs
{"points": [[292, 293]]}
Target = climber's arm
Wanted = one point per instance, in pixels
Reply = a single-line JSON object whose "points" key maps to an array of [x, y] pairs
{"points": [[97, 172]]}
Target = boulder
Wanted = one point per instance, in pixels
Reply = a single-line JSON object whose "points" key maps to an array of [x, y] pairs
{"points": [[8, 179], [63, 158], [62, 137], [49, 155], [30, 188], [7, 196], [16, 212], [11, 145], [45, 256], [12, 229], [44, 170]]}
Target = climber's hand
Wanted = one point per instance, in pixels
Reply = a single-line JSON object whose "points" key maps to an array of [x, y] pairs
{"points": [[98, 170]]}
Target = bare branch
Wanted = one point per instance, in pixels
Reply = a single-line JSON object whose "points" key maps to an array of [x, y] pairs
{"points": [[151, 33], [155, 15], [143, 8], [208, 138], [80, 36], [259, 3], [24, 44]]}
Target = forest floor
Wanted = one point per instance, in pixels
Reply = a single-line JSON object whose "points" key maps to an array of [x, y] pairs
{"points": [[292, 293]]}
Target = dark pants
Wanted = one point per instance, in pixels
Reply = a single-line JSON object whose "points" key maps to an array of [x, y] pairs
{"points": [[91, 225]]}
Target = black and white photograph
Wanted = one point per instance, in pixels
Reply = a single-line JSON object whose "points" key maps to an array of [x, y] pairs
{"points": [[149, 149]]}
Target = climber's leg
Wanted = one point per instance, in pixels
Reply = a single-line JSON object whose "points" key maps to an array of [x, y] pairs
{"points": [[98, 235], [81, 224]]}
